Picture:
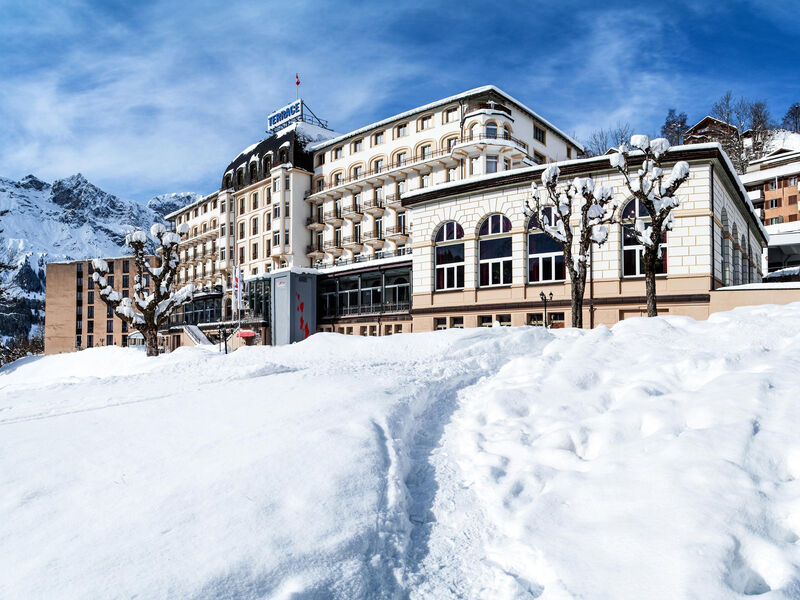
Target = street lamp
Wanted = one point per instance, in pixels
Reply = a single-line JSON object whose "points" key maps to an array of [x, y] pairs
{"points": [[544, 299]]}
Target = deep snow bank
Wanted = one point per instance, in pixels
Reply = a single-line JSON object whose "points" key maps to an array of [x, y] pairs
{"points": [[655, 460]]}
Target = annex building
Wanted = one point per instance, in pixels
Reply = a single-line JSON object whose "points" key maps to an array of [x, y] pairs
{"points": [[416, 222]]}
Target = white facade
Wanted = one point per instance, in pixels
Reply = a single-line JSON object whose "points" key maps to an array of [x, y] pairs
{"points": [[360, 177]]}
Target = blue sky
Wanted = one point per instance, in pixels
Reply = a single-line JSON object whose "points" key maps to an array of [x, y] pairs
{"points": [[153, 97]]}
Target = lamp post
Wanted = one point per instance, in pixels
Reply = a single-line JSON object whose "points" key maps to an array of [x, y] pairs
{"points": [[544, 299]]}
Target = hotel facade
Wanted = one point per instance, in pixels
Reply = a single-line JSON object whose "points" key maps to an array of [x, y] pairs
{"points": [[417, 222]]}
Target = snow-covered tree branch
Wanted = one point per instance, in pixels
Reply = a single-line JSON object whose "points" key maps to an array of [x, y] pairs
{"points": [[554, 207], [654, 190], [154, 298]]}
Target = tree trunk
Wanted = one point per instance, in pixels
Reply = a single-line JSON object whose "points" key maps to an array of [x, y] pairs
{"points": [[151, 343], [577, 303], [650, 259]]}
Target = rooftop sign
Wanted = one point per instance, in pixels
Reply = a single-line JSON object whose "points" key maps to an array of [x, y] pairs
{"points": [[286, 115]]}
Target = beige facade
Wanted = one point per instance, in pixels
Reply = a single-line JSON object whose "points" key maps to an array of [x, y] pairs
{"points": [[701, 252], [75, 315]]}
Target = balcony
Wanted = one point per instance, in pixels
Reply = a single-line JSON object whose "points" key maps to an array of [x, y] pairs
{"points": [[398, 164], [353, 212], [373, 206], [486, 138], [314, 223], [333, 216], [332, 248], [396, 232], [477, 106], [351, 241], [313, 249], [364, 258]]}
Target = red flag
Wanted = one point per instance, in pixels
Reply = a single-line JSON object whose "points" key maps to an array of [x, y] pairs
{"points": [[297, 78]]}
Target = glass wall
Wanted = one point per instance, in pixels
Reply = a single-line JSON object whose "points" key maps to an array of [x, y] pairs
{"points": [[376, 292]]}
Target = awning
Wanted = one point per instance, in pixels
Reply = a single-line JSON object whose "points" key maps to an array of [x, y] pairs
{"points": [[246, 333]]}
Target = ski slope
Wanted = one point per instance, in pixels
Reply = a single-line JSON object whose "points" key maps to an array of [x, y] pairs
{"points": [[658, 459]]}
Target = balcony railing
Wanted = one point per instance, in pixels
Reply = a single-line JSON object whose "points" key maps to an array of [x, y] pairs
{"points": [[312, 248], [475, 106], [352, 210], [363, 258], [390, 231], [331, 246], [373, 203], [371, 309], [351, 240], [333, 214], [500, 135]]}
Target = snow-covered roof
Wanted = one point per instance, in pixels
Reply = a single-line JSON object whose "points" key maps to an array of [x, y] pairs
{"points": [[442, 102], [183, 209], [771, 173], [787, 272], [785, 285]]}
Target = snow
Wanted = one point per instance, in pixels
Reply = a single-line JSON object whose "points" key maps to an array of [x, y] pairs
{"points": [[658, 459], [786, 272]]}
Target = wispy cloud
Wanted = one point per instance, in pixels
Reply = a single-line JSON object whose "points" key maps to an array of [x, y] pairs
{"points": [[158, 96]]}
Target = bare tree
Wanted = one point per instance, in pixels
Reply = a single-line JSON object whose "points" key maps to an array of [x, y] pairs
{"points": [[673, 128], [554, 206], [656, 194], [746, 131], [791, 120], [151, 306], [601, 140]]}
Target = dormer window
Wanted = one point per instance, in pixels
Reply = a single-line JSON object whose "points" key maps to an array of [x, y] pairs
{"points": [[425, 122], [358, 145], [377, 138], [401, 130], [337, 153]]}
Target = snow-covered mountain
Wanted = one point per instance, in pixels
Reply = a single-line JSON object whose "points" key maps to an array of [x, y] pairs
{"points": [[66, 220]]}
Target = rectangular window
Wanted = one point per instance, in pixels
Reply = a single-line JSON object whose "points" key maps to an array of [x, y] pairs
{"points": [[358, 145], [241, 255], [222, 206], [110, 280], [504, 320], [491, 164], [286, 237], [276, 184], [449, 267], [485, 320], [241, 205], [425, 180], [276, 211], [110, 326], [474, 166], [457, 322], [77, 341], [439, 323], [401, 130], [254, 226], [377, 138], [90, 298], [109, 340], [535, 319], [254, 252], [124, 341], [538, 134], [111, 267], [125, 281], [426, 122], [791, 181], [775, 203], [337, 152], [538, 158], [222, 254], [450, 115], [89, 341], [556, 320], [276, 239], [255, 200], [222, 230], [286, 183], [773, 185], [495, 262], [126, 266]]}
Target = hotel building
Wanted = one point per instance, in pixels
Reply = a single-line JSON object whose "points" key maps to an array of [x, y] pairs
{"points": [[417, 222]]}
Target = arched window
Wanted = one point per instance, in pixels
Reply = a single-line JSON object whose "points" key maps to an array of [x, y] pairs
{"points": [[491, 130], [632, 249], [449, 256], [494, 253], [425, 151], [472, 129], [253, 171], [726, 250], [735, 263], [545, 255], [228, 182], [506, 132]]}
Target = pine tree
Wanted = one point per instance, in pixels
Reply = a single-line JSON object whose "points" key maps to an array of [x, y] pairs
{"points": [[791, 120], [150, 306]]}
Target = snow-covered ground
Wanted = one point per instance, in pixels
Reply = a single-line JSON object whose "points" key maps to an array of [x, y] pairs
{"points": [[658, 459]]}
